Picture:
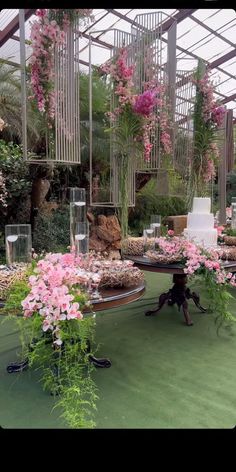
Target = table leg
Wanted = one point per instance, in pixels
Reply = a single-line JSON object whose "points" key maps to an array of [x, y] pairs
{"points": [[195, 297], [179, 294], [164, 297], [188, 320]]}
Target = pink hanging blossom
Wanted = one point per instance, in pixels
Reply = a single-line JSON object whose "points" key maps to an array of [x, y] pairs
{"points": [[45, 35], [210, 171], [142, 105], [145, 103], [218, 115]]}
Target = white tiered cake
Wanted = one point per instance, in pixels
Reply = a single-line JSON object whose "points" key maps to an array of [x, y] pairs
{"points": [[200, 224]]}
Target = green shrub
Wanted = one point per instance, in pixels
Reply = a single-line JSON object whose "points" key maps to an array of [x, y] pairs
{"points": [[148, 203], [18, 183], [52, 232]]}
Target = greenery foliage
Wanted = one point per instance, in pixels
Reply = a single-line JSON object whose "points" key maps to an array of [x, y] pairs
{"points": [[219, 298], [149, 203], [18, 182], [10, 109], [52, 232], [230, 232]]}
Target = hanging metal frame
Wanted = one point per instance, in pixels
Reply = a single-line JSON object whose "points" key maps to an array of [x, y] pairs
{"points": [[64, 146], [146, 31]]}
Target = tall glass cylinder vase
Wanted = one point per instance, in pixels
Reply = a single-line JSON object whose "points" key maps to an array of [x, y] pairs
{"points": [[18, 243], [233, 217], [81, 238], [77, 216], [233, 213]]}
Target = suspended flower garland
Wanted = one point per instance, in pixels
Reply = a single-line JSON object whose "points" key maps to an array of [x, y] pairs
{"points": [[47, 32], [208, 116], [140, 107]]}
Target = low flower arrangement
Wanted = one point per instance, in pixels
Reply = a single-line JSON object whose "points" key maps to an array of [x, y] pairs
{"points": [[56, 336], [123, 274], [134, 246], [227, 252], [197, 261], [9, 275]]}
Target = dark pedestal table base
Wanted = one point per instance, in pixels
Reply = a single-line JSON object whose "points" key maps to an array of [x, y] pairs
{"points": [[180, 295]]}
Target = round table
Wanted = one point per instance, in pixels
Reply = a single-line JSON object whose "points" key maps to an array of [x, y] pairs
{"points": [[144, 263], [110, 298], [115, 297], [179, 293]]}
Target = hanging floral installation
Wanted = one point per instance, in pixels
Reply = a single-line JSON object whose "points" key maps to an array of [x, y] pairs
{"points": [[135, 119], [208, 116], [144, 108], [47, 32]]}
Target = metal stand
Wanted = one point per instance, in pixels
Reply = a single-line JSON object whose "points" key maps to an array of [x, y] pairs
{"points": [[23, 365]]}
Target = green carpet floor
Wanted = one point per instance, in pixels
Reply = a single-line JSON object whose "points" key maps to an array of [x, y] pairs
{"points": [[163, 375]]}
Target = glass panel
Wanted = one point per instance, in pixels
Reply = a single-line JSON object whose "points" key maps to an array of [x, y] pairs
{"points": [[202, 15], [6, 16]]}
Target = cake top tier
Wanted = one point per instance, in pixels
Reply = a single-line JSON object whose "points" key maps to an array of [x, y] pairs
{"points": [[201, 205]]}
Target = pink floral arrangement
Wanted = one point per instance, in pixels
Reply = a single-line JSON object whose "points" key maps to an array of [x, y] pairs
{"points": [[52, 292], [195, 258], [47, 32], [60, 279], [147, 105]]}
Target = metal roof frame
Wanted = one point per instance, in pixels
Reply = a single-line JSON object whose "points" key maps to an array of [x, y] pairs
{"points": [[10, 29]]}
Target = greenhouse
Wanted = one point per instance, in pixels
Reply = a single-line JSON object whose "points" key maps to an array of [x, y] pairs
{"points": [[118, 218]]}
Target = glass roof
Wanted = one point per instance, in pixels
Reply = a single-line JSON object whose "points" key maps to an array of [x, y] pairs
{"points": [[205, 33]]}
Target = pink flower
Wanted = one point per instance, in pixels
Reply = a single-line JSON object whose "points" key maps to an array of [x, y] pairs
{"points": [[74, 312], [220, 229], [218, 115], [170, 232], [145, 103], [210, 171]]}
